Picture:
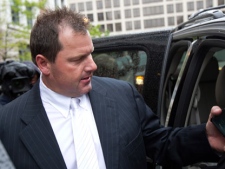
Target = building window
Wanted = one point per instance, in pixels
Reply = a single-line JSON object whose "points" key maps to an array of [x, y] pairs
{"points": [[89, 6], [29, 22], [29, 18], [190, 6], [170, 8], [171, 21], [102, 28], [116, 3], [73, 7], [110, 27], [129, 25], [15, 15], [209, 3], [135, 2], [118, 27], [150, 1], [90, 17], [136, 12], [179, 7], [127, 13], [154, 10], [108, 16], [151, 23], [80, 6], [221, 2], [126, 2], [108, 4], [99, 4], [117, 15], [137, 24], [199, 5], [180, 20], [100, 17]]}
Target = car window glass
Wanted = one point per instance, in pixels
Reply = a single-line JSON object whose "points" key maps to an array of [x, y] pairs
{"points": [[169, 87], [126, 65], [203, 97], [220, 56], [177, 54]]}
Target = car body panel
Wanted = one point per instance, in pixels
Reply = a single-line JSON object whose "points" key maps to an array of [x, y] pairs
{"points": [[154, 44]]}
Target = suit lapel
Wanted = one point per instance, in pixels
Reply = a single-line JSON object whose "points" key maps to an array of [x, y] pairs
{"points": [[38, 136], [106, 117]]}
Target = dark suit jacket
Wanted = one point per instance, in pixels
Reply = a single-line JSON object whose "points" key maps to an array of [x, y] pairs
{"points": [[128, 130], [221, 163]]}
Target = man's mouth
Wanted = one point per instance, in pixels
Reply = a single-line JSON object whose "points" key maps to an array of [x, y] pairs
{"points": [[85, 78]]}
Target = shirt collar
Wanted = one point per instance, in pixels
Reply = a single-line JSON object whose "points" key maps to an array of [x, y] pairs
{"points": [[58, 101], [84, 101]]}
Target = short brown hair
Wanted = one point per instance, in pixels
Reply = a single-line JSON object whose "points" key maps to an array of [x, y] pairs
{"points": [[44, 35]]}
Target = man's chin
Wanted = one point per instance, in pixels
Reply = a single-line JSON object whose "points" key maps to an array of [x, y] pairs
{"points": [[86, 90]]}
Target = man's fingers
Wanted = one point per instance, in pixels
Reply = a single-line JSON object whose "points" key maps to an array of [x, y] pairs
{"points": [[216, 110]]}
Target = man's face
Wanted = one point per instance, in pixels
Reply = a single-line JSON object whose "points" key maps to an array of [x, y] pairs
{"points": [[71, 73]]}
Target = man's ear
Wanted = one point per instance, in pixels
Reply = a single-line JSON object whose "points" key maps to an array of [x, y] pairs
{"points": [[43, 64]]}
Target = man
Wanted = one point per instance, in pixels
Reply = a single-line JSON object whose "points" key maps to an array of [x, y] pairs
{"points": [[16, 78], [38, 128]]}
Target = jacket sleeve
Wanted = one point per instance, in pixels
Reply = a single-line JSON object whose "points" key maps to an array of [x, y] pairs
{"points": [[176, 146]]}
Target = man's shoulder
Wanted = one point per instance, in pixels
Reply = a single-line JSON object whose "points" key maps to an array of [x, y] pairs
{"points": [[108, 80], [111, 85]]}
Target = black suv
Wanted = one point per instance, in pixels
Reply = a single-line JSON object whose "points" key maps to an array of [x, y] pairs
{"points": [[177, 70]]}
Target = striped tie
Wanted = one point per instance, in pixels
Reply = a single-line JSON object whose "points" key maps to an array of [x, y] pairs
{"points": [[84, 145]]}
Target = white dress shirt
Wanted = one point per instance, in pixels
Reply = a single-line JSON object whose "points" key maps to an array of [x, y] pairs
{"points": [[57, 108]]}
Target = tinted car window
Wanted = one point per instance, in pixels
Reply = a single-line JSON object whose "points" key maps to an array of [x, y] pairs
{"points": [[198, 95], [220, 56], [124, 65], [177, 56]]}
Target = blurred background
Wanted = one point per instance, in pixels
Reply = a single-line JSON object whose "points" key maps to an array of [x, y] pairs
{"points": [[108, 17]]}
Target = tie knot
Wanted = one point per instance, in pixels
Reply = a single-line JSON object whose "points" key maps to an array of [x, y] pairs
{"points": [[75, 103]]}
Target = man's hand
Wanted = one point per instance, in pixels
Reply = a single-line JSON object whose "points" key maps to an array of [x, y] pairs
{"points": [[215, 138]]}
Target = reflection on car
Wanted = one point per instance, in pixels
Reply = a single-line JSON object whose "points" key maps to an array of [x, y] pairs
{"points": [[107, 66], [121, 67], [140, 72], [124, 64]]}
